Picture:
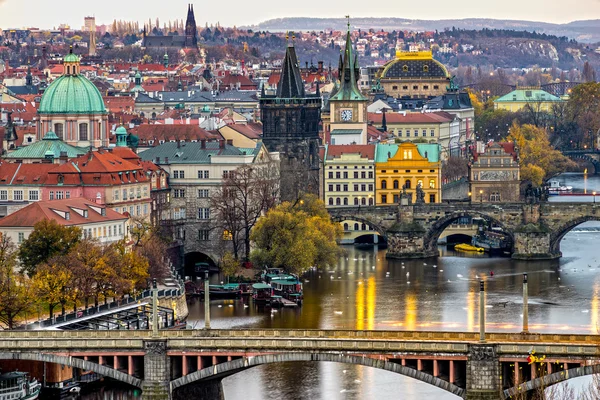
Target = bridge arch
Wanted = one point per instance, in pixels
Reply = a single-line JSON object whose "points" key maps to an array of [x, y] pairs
{"points": [[432, 235], [231, 367], [559, 233], [69, 361], [585, 157], [551, 379], [375, 227]]}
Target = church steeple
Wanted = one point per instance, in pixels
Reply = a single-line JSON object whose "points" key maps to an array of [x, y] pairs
{"points": [[191, 34], [71, 63], [348, 73]]}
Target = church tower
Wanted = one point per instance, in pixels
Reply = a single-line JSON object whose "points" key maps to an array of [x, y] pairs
{"points": [[191, 34], [348, 105], [291, 127]]}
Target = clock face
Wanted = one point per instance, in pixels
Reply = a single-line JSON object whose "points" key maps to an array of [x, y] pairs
{"points": [[346, 115]]}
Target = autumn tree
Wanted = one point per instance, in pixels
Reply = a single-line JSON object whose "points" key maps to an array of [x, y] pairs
{"points": [[539, 161], [16, 296], [154, 249], [53, 284], [245, 195], [132, 269], [230, 266], [296, 236], [84, 259], [583, 106], [47, 240], [454, 168]]}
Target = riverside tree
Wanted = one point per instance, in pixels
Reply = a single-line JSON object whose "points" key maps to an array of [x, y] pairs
{"points": [[296, 236], [16, 295]]}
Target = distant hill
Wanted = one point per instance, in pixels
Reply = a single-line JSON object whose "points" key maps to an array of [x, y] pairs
{"points": [[587, 31]]}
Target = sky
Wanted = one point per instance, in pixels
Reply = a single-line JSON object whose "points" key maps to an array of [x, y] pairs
{"points": [[51, 13]]}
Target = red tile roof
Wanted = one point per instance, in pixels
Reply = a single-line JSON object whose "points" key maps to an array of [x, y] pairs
{"points": [[116, 104], [40, 210], [411, 118], [24, 174], [365, 150]]}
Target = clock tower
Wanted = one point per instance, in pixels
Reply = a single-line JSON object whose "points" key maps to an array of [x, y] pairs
{"points": [[348, 105]]}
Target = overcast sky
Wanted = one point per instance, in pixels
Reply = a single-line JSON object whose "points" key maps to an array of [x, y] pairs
{"points": [[51, 13]]}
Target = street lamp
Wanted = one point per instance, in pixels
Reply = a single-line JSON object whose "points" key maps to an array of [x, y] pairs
{"points": [[481, 197], [470, 196], [594, 194]]}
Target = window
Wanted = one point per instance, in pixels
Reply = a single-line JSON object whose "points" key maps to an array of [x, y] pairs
{"points": [[416, 133], [18, 195], [424, 132], [33, 195], [370, 201], [436, 87], [355, 187], [425, 68], [138, 210], [337, 201], [4, 195], [432, 183], [116, 194], [139, 192], [396, 184], [202, 193], [345, 188], [58, 129], [363, 187], [21, 237], [204, 213], [355, 226], [345, 201], [330, 174], [120, 229], [425, 87], [202, 174], [203, 234], [179, 174], [83, 131], [331, 201], [60, 195], [399, 132], [363, 201], [408, 133], [405, 68], [345, 175], [345, 226], [432, 133], [495, 196], [384, 184], [178, 193], [51, 197], [407, 183], [396, 199], [432, 198], [145, 209], [179, 213], [355, 202], [384, 199], [337, 175], [405, 87], [124, 194], [145, 191], [363, 175], [370, 174], [331, 188], [394, 87], [415, 87], [370, 187], [420, 183]]}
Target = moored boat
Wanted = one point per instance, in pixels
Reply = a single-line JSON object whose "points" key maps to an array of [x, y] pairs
{"points": [[17, 385], [221, 291], [468, 247], [262, 293]]}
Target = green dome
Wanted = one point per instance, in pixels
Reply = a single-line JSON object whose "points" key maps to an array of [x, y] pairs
{"points": [[71, 58], [121, 130], [72, 94]]}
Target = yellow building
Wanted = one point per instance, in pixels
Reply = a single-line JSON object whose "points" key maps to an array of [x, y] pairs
{"points": [[349, 175], [407, 165], [533, 97], [415, 74]]}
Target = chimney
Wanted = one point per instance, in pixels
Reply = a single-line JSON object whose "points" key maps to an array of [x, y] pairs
{"points": [[202, 143], [306, 63], [166, 160], [230, 142], [221, 143], [320, 64], [157, 160]]}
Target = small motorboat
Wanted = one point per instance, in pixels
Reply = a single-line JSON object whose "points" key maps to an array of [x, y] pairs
{"points": [[556, 188], [468, 247]]}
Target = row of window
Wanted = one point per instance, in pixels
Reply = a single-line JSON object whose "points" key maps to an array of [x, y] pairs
{"points": [[180, 213], [416, 133], [83, 130], [17, 195], [407, 184], [396, 198], [137, 210], [202, 174], [132, 193], [357, 227], [416, 87], [356, 187], [102, 232], [339, 201], [344, 175], [355, 167]]}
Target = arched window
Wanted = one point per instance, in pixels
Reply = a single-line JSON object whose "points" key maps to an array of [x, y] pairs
{"points": [[432, 183], [407, 184], [420, 183], [59, 130], [83, 131], [337, 201], [370, 201], [356, 201], [396, 184], [345, 201], [363, 227], [363, 201], [68, 70], [331, 201], [384, 184], [345, 226], [356, 226]]}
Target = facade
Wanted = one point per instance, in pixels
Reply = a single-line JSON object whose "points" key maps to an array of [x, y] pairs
{"points": [[349, 175], [291, 128], [187, 41], [72, 107], [494, 174], [96, 221], [348, 106], [413, 74], [196, 171], [456, 103], [403, 168], [21, 185], [533, 97]]}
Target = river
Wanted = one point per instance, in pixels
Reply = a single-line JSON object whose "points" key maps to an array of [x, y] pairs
{"points": [[366, 291]]}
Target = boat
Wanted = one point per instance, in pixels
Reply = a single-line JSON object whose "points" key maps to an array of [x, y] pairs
{"points": [[468, 247], [17, 385], [556, 188], [262, 293], [492, 241], [288, 287], [229, 291]]}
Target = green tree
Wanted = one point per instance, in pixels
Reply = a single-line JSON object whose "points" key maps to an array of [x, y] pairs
{"points": [[53, 283], [47, 240], [16, 296], [230, 266], [296, 236]]}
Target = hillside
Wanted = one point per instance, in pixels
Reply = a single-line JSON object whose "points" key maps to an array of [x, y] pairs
{"points": [[587, 31]]}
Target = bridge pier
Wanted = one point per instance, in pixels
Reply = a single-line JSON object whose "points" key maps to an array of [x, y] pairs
{"points": [[483, 373], [157, 371], [533, 242]]}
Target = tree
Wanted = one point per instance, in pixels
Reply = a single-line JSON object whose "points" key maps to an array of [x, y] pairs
{"points": [[539, 161], [296, 236], [84, 258], [246, 194], [53, 284], [47, 240], [582, 108], [230, 266], [16, 296], [154, 249], [132, 269], [454, 168]]}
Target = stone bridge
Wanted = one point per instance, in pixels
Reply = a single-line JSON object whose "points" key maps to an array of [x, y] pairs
{"points": [[191, 363], [413, 230], [591, 156]]}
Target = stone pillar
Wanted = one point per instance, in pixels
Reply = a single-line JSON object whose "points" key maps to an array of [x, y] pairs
{"points": [[483, 373], [533, 242], [157, 371]]}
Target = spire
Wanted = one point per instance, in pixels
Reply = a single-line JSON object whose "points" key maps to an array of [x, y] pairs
{"points": [[384, 121], [348, 73], [290, 83], [318, 91]]}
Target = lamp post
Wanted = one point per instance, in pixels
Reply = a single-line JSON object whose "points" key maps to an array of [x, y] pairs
{"points": [[154, 308], [481, 311], [594, 194], [481, 197], [206, 301], [470, 196], [525, 305]]}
